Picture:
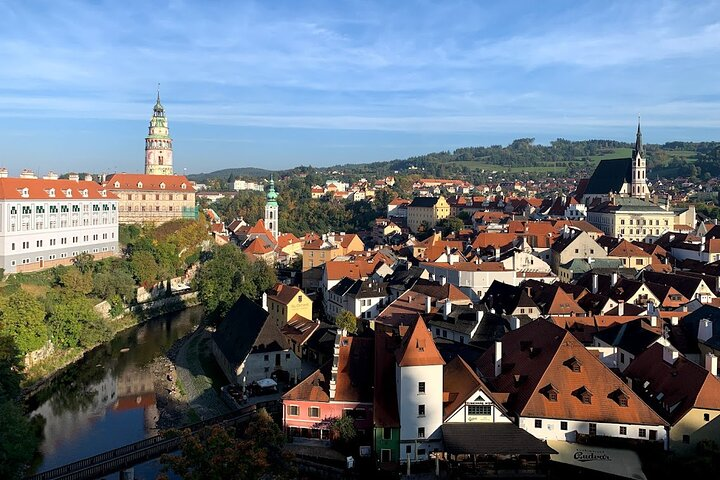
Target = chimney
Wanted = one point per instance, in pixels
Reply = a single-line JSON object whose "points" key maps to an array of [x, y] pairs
{"points": [[479, 316], [447, 307], [621, 308], [670, 355], [613, 279], [51, 176], [711, 364], [674, 320], [443, 280], [428, 304], [595, 279], [264, 301], [3, 172], [514, 323], [705, 330], [450, 259], [702, 244], [88, 178], [74, 177], [653, 321], [498, 358], [27, 173], [497, 254]]}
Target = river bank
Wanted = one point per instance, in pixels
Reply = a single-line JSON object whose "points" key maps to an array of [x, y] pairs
{"points": [[37, 376]]}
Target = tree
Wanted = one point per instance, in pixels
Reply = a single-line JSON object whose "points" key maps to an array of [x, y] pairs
{"points": [[118, 282], [18, 439], [228, 275], [144, 267], [347, 321], [451, 224], [219, 453], [22, 318], [343, 429], [74, 322], [73, 279], [84, 262]]}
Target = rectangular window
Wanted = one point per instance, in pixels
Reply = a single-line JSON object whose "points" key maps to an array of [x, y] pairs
{"points": [[294, 410], [480, 410], [421, 432], [642, 433], [421, 387], [592, 429], [421, 410], [686, 439], [538, 423], [706, 416], [563, 425], [653, 435], [623, 430], [387, 433], [314, 412]]}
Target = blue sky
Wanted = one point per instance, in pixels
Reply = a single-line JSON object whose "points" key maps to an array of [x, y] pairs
{"points": [[278, 84]]}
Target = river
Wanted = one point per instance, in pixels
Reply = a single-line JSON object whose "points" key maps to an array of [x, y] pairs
{"points": [[107, 400]]}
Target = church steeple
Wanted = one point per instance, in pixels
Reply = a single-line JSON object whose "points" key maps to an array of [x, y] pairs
{"points": [[271, 209], [638, 185], [158, 144], [638, 141]]}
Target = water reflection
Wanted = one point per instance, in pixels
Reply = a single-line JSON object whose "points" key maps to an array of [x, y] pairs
{"points": [[107, 400]]}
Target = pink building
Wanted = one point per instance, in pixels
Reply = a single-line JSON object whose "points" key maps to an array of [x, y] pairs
{"points": [[341, 387]]}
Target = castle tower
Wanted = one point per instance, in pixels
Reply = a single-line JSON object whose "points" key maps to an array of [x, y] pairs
{"points": [[639, 188], [271, 210], [158, 144]]}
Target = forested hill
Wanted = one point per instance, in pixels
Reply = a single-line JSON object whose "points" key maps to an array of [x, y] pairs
{"points": [[522, 155]]}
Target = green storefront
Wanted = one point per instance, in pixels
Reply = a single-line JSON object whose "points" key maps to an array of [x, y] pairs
{"points": [[386, 444]]}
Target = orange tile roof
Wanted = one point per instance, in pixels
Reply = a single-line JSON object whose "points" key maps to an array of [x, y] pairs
{"points": [[469, 266], [132, 181], [337, 270], [418, 347], [404, 310], [539, 356], [459, 383], [39, 189], [258, 247], [498, 240], [385, 407], [627, 249], [285, 239], [313, 389], [283, 293]]}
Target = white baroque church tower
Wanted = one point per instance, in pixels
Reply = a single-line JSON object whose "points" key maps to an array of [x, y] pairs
{"points": [[158, 144], [638, 184]]}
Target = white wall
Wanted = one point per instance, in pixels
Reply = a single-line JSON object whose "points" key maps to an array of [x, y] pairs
{"points": [[407, 379], [550, 429]]}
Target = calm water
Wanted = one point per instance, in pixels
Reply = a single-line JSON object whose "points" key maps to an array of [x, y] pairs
{"points": [[107, 400]]}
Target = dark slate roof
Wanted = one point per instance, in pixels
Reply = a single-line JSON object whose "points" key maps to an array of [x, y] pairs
{"points": [[245, 330], [491, 439], [343, 286], [405, 277], [632, 336], [506, 298], [691, 322], [609, 176], [463, 319], [424, 202], [628, 204], [682, 283], [368, 289]]}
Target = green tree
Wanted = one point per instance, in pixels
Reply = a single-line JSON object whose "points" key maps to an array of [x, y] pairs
{"points": [[22, 318], [218, 453], [75, 280], [343, 430], [451, 224], [229, 274], [84, 262], [74, 322], [144, 267], [120, 283], [346, 320]]}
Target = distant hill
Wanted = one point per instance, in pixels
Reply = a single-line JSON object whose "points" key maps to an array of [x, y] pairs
{"points": [[235, 172]]}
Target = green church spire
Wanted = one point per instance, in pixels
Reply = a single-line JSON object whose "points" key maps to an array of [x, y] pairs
{"points": [[272, 194]]}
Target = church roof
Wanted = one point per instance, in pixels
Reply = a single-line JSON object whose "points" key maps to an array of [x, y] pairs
{"points": [[609, 176]]}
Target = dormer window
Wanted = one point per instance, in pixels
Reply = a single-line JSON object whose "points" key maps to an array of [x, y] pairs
{"points": [[139, 185], [68, 193], [25, 193], [584, 395], [162, 185], [51, 193], [573, 364], [183, 186], [84, 192], [117, 184], [550, 391], [621, 398], [103, 193]]}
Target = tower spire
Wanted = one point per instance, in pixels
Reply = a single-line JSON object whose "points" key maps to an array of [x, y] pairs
{"points": [[158, 93], [638, 139]]}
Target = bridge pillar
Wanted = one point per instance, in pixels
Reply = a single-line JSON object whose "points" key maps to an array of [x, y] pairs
{"points": [[127, 474]]}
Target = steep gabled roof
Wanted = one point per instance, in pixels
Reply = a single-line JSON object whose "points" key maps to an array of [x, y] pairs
{"points": [[609, 176], [245, 330], [633, 337], [385, 405], [540, 354], [283, 293], [460, 382], [418, 347]]}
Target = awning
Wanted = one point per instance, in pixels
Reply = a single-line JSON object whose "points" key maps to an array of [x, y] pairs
{"points": [[267, 383], [623, 463], [491, 439]]}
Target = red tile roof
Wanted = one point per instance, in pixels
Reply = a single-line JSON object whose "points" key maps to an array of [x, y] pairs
{"points": [[283, 293], [385, 408], [39, 189], [132, 181], [539, 356]]}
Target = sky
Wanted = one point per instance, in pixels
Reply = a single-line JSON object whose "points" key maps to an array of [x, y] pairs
{"points": [[275, 84]]}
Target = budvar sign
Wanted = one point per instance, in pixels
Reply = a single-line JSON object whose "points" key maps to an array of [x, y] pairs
{"points": [[623, 463]]}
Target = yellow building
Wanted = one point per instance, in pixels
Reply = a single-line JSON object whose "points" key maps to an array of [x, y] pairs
{"points": [[152, 198], [285, 302], [428, 211], [318, 250]]}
